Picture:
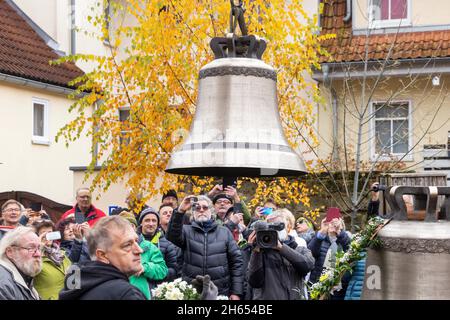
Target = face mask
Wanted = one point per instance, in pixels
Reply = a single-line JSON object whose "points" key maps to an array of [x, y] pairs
{"points": [[282, 235]]}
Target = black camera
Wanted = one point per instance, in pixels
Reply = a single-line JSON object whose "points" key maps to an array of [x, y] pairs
{"points": [[378, 187], [266, 233]]}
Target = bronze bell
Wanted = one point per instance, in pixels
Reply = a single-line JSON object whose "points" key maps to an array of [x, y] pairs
{"points": [[236, 129], [413, 261]]}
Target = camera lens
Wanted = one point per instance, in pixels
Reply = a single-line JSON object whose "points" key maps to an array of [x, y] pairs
{"points": [[266, 239]]}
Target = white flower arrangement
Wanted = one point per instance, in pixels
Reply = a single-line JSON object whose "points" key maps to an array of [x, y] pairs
{"points": [[178, 290], [175, 290]]}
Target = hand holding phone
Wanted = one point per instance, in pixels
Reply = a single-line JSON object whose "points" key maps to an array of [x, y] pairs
{"points": [[229, 182], [266, 211], [51, 236]]}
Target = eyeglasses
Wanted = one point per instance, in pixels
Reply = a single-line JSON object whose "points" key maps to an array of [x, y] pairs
{"points": [[84, 197], [31, 250], [12, 210], [224, 201], [199, 208]]}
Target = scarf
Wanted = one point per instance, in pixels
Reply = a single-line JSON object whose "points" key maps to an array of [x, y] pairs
{"points": [[153, 238], [54, 254], [330, 258], [206, 225]]}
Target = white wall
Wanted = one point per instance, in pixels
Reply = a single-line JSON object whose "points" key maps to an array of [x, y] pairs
{"points": [[41, 169]]}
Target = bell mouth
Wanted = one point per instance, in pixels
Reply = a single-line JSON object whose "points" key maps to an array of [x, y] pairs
{"points": [[236, 172]]}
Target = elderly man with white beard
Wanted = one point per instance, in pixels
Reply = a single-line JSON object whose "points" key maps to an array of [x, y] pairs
{"points": [[20, 262], [208, 249]]}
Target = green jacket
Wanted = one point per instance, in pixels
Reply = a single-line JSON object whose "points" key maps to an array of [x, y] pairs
{"points": [[50, 280], [154, 268]]}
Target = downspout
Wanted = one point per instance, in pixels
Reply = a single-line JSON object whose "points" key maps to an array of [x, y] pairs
{"points": [[72, 28], [334, 106], [334, 103], [318, 13], [349, 11]]}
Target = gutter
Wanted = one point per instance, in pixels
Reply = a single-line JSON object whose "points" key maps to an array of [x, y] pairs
{"points": [[405, 67], [35, 84]]}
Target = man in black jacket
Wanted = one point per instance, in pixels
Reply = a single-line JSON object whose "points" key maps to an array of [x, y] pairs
{"points": [[116, 255], [208, 249], [278, 273]]}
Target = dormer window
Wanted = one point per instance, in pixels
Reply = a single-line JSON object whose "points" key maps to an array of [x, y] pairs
{"points": [[389, 13]]}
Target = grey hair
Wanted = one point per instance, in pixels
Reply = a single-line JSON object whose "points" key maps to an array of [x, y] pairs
{"points": [[99, 237], [210, 206], [12, 238], [278, 214], [82, 188], [289, 217]]}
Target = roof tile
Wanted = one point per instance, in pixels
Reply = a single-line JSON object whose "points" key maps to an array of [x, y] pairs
{"points": [[352, 48], [25, 54]]}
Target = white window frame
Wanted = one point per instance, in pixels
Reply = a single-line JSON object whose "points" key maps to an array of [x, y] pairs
{"points": [[389, 23], [118, 116], [45, 139], [373, 155]]}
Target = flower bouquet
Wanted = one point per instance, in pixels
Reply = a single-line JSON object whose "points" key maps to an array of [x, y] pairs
{"points": [[181, 290], [175, 290]]}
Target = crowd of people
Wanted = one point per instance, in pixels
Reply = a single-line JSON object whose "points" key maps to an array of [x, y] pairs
{"points": [[128, 253]]}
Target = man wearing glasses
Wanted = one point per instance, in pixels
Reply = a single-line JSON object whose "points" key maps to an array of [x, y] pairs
{"points": [[208, 249], [11, 213], [84, 210], [20, 262]]}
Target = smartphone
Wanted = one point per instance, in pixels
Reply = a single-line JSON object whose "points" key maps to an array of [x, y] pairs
{"points": [[79, 217], [266, 211], [333, 213], [229, 181], [56, 235]]}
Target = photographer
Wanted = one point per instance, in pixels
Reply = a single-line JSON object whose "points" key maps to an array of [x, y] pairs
{"points": [[225, 198], [55, 263], [207, 247], [277, 273], [374, 202], [330, 239]]}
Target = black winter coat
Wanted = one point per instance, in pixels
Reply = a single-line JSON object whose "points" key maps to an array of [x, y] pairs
{"points": [[278, 275], [101, 281], [213, 252], [319, 249]]}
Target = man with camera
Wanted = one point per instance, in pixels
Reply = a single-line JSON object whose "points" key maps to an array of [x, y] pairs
{"points": [[223, 199], [208, 249], [277, 264]]}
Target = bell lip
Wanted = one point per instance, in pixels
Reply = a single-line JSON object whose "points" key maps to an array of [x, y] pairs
{"points": [[236, 172]]}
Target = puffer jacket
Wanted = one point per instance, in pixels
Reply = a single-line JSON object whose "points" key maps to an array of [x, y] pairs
{"points": [[319, 248], [278, 275], [355, 285], [208, 250]]}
